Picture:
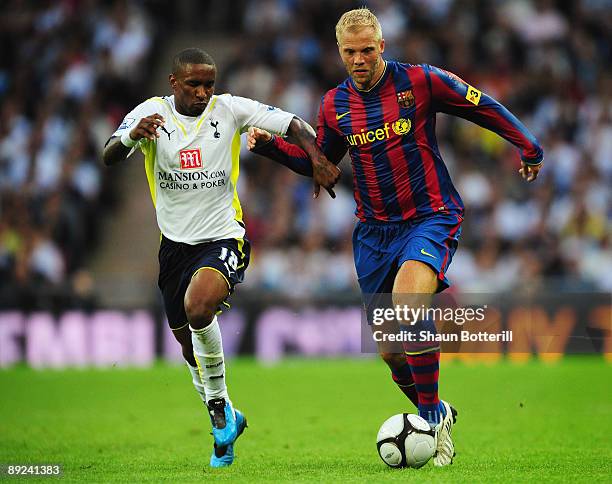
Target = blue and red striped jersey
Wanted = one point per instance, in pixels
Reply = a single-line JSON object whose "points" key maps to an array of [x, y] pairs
{"points": [[389, 132]]}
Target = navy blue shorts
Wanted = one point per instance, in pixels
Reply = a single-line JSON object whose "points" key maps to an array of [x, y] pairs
{"points": [[179, 262], [380, 249]]}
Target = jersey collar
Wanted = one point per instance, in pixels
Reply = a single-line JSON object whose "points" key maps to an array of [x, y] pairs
{"points": [[200, 118]]}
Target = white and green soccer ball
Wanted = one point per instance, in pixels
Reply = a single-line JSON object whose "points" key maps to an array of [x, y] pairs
{"points": [[406, 440]]}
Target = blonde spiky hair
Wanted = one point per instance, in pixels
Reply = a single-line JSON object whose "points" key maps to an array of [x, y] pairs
{"points": [[354, 20]]}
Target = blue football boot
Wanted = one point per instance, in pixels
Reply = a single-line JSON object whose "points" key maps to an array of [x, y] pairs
{"points": [[223, 420], [224, 456]]}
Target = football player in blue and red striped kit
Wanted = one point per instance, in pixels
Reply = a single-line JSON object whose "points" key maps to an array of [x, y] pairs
{"points": [[409, 212]]}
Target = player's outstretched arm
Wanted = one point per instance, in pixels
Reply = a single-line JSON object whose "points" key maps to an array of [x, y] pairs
{"points": [[275, 148], [293, 157], [118, 148], [324, 173], [452, 95]]}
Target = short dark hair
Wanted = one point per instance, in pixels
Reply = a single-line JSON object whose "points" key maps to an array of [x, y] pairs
{"points": [[192, 55]]}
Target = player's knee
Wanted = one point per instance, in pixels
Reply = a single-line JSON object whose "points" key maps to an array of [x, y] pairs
{"points": [[200, 311], [393, 360]]}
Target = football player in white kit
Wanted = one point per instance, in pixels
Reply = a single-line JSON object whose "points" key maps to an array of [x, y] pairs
{"points": [[191, 145]]}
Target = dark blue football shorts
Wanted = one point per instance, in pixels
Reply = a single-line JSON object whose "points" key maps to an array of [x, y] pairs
{"points": [[380, 249], [179, 262]]}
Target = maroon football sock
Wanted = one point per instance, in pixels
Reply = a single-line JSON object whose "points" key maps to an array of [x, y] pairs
{"points": [[403, 378]]}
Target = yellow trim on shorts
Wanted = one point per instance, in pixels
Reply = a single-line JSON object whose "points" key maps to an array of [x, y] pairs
{"points": [[240, 242], [180, 327], [227, 306], [229, 286], [422, 352]]}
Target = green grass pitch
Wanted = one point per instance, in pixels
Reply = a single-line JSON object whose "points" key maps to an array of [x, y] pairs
{"points": [[309, 420]]}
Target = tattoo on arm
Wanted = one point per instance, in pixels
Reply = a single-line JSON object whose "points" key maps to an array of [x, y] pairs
{"points": [[304, 136], [324, 173]]}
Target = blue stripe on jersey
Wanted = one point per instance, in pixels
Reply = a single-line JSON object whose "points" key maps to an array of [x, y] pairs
{"points": [[450, 196], [504, 113], [341, 101], [382, 164], [430, 134], [416, 170]]}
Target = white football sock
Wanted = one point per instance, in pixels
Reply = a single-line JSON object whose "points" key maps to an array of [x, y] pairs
{"points": [[208, 352], [197, 382]]}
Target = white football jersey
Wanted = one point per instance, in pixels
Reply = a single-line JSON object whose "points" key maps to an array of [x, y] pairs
{"points": [[193, 167]]}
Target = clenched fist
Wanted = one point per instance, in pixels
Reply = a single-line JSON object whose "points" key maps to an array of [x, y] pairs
{"points": [[147, 127]]}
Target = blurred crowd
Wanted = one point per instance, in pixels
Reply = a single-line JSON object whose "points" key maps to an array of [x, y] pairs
{"points": [[69, 67], [547, 61]]}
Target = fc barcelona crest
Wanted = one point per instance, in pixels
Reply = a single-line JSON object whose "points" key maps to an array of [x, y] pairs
{"points": [[405, 99]]}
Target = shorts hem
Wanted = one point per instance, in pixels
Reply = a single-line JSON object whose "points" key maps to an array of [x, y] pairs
{"points": [[229, 286]]}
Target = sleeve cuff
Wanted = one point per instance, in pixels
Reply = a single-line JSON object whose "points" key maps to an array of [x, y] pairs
{"points": [[265, 147], [532, 162]]}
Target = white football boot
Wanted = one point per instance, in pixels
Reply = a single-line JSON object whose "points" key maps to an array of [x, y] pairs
{"points": [[445, 449]]}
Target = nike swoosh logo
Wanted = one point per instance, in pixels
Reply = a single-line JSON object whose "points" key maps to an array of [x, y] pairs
{"points": [[427, 253], [340, 116]]}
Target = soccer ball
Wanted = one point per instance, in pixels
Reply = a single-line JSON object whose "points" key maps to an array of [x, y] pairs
{"points": [[406, 440]]}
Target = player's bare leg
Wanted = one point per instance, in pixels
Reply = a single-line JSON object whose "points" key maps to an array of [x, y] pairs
{"points": [[414, 279], [206, 291]]}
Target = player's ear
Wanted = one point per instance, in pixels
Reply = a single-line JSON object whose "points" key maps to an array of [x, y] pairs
{"points": [[172, 80], [382, 45]]}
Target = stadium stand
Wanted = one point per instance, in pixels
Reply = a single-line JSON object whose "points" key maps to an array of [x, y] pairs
{"points": [[72, 69], [69, 72]]}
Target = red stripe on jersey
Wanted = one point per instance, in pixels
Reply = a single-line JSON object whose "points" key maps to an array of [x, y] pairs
{"points": [[327, 117], [514, 135], [366, 159], [455, 201], [329, 112], [420, 90], [360, 214], [398, 162]]}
